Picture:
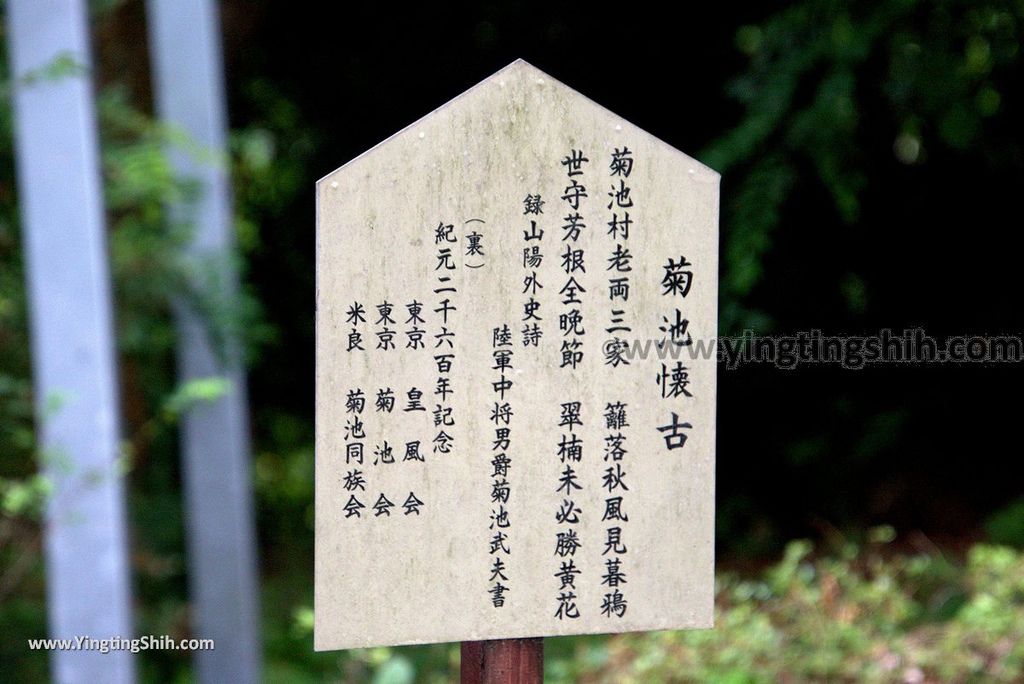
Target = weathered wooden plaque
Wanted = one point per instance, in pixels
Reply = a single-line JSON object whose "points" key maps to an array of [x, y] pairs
{"points": [[515, 410]]}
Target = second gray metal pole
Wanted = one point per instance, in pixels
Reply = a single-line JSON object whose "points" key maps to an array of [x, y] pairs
{"points": [[189, 86]]}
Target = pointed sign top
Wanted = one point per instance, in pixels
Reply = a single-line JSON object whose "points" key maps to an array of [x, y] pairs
{"points": [[532, 93]]}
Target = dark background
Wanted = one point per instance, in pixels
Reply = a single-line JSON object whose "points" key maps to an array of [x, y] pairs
{"points": [[811, 451]]}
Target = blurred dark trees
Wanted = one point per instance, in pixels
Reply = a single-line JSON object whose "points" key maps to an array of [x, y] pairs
{"points": [[871, 163], [870, 160]]}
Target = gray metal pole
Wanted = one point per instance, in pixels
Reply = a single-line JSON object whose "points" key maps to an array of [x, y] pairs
{"points": [[60, 192], [185, 46]]}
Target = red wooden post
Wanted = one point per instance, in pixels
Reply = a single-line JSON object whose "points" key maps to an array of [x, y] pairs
{"points": [[503, 661]]}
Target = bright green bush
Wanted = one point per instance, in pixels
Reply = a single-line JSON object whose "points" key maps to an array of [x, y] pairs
{"points": [[862, 614], [866, 616]]}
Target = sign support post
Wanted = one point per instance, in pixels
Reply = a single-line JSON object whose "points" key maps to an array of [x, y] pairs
{"points": [[503, 661]]}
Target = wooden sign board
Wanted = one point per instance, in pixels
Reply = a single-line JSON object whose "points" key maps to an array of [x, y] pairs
{"points": [[515, 410]]}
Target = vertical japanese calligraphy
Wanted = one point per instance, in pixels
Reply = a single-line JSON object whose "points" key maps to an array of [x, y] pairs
{"points": [[501, 416], [619, 266], [570, 321], [567, 515]]}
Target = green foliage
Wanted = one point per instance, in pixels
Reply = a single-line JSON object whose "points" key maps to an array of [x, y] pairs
{"points": [[194, 392], [61, 66], [25, 496], [151, 266], [862, 614], [934, 73], [1006, 526], [865, 616], [152, 272]]}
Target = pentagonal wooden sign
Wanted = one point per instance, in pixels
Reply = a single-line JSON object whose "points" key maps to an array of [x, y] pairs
{"points": [[515, 410]]}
